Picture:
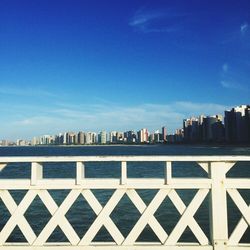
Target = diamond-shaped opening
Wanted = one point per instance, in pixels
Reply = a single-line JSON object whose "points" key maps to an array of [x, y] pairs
{"points": [[102, 170], [103, 195], [37, 215], [16, 236], [167, 215], [147, 235], [245, 194], [125, 215], [188, 169], [246, 236], [186, 195], [4, 216], [202, 216], [17, 195], [81, 216], [103, 236], [59, 195], [234, 215], [241, 169], [57, 236], [145, 169], [188, 236], [16, 171], [59, 170], [147, 195]]}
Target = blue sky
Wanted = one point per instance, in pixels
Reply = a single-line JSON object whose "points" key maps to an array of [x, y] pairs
{"points": [[119, 65]]}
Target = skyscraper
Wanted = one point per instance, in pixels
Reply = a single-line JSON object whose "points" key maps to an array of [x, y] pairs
{"points": [[191, 128], [164, 134], [143, 135], [81, 137], [113, 137], [237, 124], [213, 129], [103, 137]]}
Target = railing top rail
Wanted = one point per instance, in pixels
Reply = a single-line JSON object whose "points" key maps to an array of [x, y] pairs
{"points": [[160, 158]]}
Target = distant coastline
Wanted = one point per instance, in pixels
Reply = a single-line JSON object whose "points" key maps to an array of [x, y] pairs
{"points": [[140, 145]]}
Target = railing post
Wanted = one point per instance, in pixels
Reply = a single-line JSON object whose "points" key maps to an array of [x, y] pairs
{"points": [[218, 205], [36, 172], [168, 172], [123, 173], [80, 172]]}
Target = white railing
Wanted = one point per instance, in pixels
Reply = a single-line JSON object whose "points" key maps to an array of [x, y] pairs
{"points": [[216, 186]]}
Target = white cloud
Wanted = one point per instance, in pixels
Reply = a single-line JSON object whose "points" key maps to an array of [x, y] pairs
{"points": [[24, 91], [225, 67], [232, 85], [191, 108], [244, 28], [230, 79], [106, 116], [226, 84], [148, 21]]}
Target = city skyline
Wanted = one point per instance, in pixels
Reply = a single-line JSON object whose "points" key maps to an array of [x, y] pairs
{"points": [[91, 65], [233, 127]]}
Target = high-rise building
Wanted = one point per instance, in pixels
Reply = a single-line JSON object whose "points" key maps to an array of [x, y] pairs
{"points": [[4, 143], [81, 137], [191, 128], [103, 137], [90, 138], [143, 135], [247, 114], [151, 138], [71, 138], [203, 128], [21, 142], [130, 136], [237, 124], [35, 141], [47, 139], [213, 129], [179, 135], [113, 137], [164, 133], [120, 136], [158, 136]]}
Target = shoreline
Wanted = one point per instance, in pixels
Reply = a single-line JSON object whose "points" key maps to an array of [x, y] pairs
{"points": [[137, 145]]}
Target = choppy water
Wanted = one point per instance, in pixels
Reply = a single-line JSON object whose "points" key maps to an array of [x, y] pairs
{"points": [[125, 214]]}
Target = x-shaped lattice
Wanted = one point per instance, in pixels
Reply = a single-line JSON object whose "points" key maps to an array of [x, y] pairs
{"points": [[17, 216], [244, 221], [103, 216]]}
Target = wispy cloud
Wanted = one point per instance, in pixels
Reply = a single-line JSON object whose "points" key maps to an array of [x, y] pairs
{"points": [[230, 80], [225, 67], [24, 91], [148, 21], [238, 35], [105, 116], [232, 85], [244, 28]]}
